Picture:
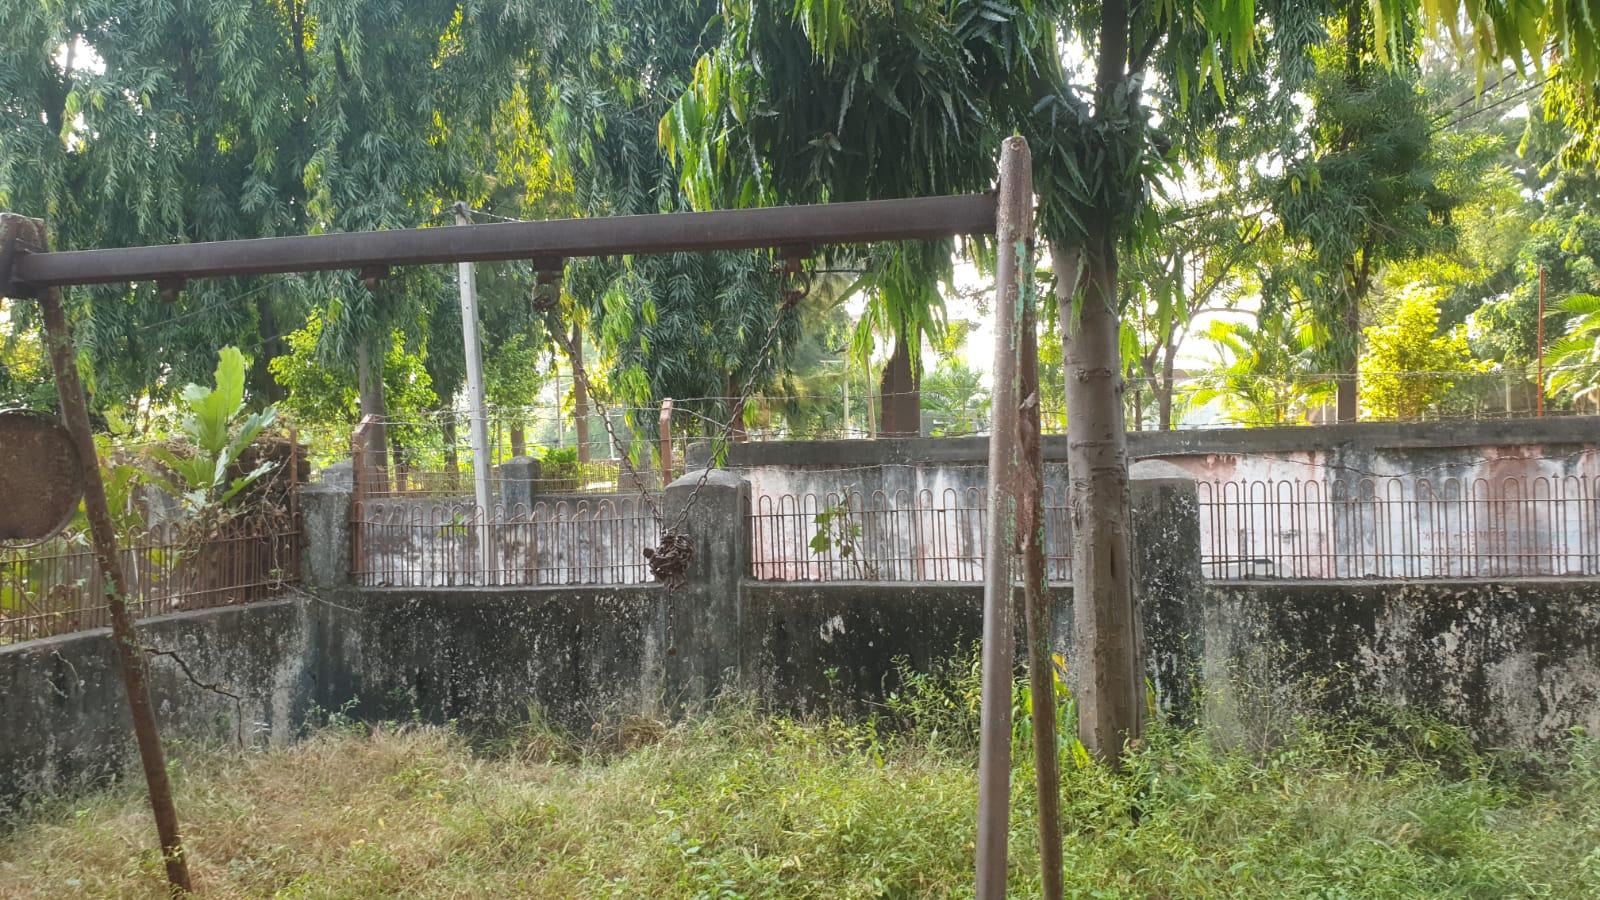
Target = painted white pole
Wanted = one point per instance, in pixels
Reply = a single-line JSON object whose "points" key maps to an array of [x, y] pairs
{"points": [[476, 415]]}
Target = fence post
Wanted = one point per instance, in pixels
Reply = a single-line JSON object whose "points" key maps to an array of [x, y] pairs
{"points": [[666, 441], [517, 478], [703, 616], [1168, 584], [328, 535], [358, 482]]}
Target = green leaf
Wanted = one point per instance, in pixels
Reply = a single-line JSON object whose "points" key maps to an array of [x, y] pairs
{"points": [[212, 410]]}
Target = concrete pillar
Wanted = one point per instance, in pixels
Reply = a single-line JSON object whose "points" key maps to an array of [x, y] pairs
{"points": [[703, 617], [630, 477], [325, 531], [341, 474], [519, 477], [1169, 585]]}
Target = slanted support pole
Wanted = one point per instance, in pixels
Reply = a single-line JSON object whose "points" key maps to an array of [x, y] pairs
{"points": [[1036, 609], [130, 655], [1013, 230]]}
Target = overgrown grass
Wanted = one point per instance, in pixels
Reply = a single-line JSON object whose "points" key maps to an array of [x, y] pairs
{"points": [[735, 803]]}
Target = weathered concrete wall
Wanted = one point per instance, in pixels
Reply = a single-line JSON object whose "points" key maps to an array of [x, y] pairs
{"points": [[1517, 662], [842, 644], [486, 656], [64, 719], [1461, 437]]}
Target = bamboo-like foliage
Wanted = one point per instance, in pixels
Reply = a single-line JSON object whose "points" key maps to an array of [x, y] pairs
{"points": [[155, 121], [687, 326]]}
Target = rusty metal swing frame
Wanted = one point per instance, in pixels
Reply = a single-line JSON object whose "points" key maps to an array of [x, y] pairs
{"points": [[25, 270], [35, 271]]}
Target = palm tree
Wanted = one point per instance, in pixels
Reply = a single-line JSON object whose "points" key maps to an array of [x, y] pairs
{"points": [[1574, 359], [1266, 374]]}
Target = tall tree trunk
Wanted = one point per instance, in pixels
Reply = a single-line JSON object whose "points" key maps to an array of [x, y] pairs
{"points": [[1038, 614], [1165, 396], [400, 455], [1106, 628], [452, 456], [1346, 391], [580, 395], [264, 389], [519, 440], [1348, 388], [369, 387], [736, 429], [1146, 377], [901, 404]]}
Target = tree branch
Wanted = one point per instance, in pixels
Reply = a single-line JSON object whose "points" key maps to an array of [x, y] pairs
{"points": [[1141, 57], [217, 688]]}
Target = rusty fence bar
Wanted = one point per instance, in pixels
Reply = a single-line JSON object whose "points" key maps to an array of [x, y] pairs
{"points": [[1344, 528], [432, 543], [1401, 527], [905, 536], [56, 588]]}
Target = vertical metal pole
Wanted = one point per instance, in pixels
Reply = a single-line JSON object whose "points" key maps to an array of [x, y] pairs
{"points": [[130, 656], [1013, 229], [477, 426], [666, 442], [1539, 394]]}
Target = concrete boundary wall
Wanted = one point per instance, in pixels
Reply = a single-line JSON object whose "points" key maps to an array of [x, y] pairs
{"points": [[64, 720], [1494, 450], [1517, 663], [1356, 436]]}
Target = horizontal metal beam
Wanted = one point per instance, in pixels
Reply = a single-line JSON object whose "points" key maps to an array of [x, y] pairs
{"points": [[869, 221]]}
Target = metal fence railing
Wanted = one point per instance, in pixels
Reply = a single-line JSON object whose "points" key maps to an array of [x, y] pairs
{"points": [[406, 543], [56, 587], [1401, 527], [1341, 528], [877, 536]]}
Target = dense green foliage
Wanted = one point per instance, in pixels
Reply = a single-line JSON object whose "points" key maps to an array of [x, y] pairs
{"points": [[1408, 365], [1328, 156], [208, 472]]}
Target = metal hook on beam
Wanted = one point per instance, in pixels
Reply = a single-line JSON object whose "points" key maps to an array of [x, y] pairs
{"points": [[547, 284], [793, 258], [372, 276], [170, 288]]}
